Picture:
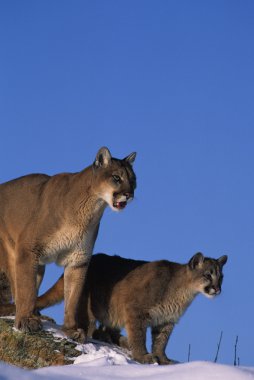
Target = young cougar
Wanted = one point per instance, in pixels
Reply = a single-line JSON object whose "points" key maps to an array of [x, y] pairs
{"points": [[138, 294], [56, 218]]}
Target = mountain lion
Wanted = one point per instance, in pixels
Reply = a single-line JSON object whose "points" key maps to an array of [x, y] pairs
{"points": [[138, 294], [46, 219]]}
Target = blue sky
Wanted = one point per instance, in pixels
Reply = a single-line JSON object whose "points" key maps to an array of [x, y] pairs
{"points": [[172, 80]]}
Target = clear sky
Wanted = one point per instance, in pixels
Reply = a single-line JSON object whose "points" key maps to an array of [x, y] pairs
{"points": [[172, 80]]}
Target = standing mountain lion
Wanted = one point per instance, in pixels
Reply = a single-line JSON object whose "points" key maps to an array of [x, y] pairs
{"points": [[137, 295], [46, 219]]}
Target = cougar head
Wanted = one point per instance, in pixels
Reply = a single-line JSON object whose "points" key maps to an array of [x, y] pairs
{"points": [[115, 178], [207, 274]]}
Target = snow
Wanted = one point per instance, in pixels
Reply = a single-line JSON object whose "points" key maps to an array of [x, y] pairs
{"points": [[102, 369], [103, 361]]}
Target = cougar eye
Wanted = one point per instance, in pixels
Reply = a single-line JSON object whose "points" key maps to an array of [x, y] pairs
{"points": [[208, 276], [116, 178]]}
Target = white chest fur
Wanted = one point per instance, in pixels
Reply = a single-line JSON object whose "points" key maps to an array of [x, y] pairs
{"points": [[162, 314], [170, 311], [69, 247]]}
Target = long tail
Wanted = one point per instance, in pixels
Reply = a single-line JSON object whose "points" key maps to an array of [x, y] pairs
{"points": [[52, 296]]}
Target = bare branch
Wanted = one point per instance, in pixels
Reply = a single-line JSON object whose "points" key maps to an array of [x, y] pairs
{"points": [[236, 342], [189, 351], [218, 348]]}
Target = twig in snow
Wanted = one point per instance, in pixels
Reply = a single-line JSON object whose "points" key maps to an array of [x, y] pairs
{"points": [[189, 352], [236, 342], [218, 348]]}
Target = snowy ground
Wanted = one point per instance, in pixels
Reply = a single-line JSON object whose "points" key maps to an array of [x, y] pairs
{"points": [[98, 362]]}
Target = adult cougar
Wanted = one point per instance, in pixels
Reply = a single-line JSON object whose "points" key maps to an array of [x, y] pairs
{"points": [[56, 218], [138, 294]]}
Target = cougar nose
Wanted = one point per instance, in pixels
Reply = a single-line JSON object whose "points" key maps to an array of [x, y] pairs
{"points": [[217, 290]]}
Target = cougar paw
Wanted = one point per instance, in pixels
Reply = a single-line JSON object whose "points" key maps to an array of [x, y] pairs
{"points": [[123, 342], [165, 361], [29, 324], [76, 334], [146, 359]]}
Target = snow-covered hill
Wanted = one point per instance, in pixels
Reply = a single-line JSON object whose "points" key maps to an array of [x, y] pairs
{"points": [[102, 362]]}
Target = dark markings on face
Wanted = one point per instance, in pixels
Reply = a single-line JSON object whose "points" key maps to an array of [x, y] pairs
{"points": [[125, 172], [212, 277]]}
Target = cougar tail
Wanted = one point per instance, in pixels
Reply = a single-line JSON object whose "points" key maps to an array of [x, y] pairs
{"points": [[52, 296]]}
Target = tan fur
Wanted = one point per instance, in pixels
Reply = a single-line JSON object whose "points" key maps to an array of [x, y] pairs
{"points": [[138, 294], [56, 218]]}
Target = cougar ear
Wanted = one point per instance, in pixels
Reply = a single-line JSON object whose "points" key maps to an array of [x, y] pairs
{"points": [[103, 158], [131, 158], [222, 260], [196, 260]]}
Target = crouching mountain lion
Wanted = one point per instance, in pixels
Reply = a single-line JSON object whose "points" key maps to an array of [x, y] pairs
{"points": [[138, 294], [56, 218]]}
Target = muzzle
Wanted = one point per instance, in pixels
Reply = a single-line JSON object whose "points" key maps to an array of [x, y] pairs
{"points": [[120, 200]]}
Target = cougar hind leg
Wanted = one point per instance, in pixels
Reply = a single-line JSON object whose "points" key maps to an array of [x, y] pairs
{"points": [[5, 289], [7, 275], [7, 308], [39, 276]]}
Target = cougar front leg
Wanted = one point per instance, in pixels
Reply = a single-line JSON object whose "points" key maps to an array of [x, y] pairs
{"points": [[74, 279], [160, 337], [25, 291], [136, 332]]}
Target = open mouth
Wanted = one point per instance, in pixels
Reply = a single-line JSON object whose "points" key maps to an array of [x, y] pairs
{"points": [[120, 205], [120, 201]]}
